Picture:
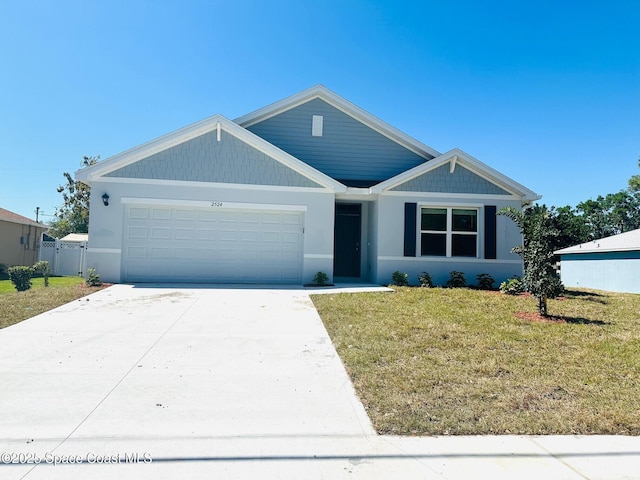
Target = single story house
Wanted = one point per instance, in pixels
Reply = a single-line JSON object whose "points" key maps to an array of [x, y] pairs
{"points": [[310, 183], [19, 239], [611, 263]]}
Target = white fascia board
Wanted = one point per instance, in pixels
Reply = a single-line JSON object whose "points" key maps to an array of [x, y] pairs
{"points": [[472, 164], [345, 106], [200, 128]]}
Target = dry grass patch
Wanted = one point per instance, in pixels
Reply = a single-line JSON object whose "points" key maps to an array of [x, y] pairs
{"points": [[459, 361], [18, 306]]}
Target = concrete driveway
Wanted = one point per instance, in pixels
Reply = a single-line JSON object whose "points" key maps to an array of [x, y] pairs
{"points": [[213, 382]]}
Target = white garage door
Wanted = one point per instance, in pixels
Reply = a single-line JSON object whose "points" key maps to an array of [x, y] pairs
{"points": [[185, 244]]}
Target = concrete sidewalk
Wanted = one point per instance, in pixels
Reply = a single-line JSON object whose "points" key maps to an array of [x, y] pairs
{"points": [[216, 382]]}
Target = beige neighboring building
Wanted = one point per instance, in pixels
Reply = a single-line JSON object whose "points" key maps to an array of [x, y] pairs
{"points": [[19, 239]]}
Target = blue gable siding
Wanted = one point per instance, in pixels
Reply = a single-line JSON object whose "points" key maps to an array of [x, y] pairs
{"points": [[204, 159], [347, 149], [441, 180]]}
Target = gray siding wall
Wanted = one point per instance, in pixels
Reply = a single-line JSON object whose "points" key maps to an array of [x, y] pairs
{"points": [[346, 150], [442, 181], [204, 159]]}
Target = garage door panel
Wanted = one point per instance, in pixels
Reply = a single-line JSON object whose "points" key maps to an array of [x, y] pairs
{"points": [[160, 233], [185, 233], [159, 252], [161, 213], [291, 238], [137, 232], [140, 213], [182, 214]]}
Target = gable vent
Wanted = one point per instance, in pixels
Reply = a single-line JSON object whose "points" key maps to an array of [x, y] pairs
{"points": [[316, 125]]}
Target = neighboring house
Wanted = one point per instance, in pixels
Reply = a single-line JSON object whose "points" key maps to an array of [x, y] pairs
{"points": [[19, 239], [611, 263], [310, 183]]}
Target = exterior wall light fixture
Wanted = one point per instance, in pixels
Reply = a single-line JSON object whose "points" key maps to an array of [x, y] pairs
{"points": [[105, 199]]}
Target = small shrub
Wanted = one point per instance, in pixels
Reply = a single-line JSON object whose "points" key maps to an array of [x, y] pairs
{"points": [[513, 286], [93, 279], [42, 267], [320, 278], [456, 280], [399, 279], [485, 281], [425, 280], [21, 277]]}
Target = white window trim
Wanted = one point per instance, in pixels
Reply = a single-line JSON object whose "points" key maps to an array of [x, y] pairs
{"points": [[449, 231]]}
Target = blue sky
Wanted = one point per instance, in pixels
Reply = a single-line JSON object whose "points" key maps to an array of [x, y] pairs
{"points": [[546, 92]]}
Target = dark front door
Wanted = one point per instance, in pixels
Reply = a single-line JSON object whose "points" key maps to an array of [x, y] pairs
{"points": [[346, 258]]}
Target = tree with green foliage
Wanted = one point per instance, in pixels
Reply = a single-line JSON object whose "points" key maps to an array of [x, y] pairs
{"points": [[73, 215], [616, 213], [539, 235], [572, 229], [634, 181]]}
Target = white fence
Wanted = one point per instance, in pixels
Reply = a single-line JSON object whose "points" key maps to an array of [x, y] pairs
{"points": [[65, 258]]}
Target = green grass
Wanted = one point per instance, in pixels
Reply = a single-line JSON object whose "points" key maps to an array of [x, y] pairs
{"points": [[18, 306], [459, 361]]}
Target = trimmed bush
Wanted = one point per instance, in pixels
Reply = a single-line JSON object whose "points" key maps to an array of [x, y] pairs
{"points": [[399, 279], [456, 280], [485, 281], [513, 286], [320, 278], [425, 280], [21, 277]]}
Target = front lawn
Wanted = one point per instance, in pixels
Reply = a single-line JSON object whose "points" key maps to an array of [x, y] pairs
{"points": [[460, 361], [17, 306]]}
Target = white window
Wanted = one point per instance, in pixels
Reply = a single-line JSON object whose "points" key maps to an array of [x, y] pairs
{"points": [[449, 232]]}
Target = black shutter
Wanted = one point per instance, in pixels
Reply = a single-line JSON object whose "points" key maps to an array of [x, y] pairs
{"points": [[410, 216], [490, 250]]}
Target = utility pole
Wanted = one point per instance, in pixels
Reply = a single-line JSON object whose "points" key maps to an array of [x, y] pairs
{"points": [[37, 213]]}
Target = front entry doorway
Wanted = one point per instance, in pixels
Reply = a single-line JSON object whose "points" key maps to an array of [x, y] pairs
{"points": [[347, 238]]}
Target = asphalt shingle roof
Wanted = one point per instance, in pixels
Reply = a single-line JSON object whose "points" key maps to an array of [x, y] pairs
{"points": [[7, 216]]}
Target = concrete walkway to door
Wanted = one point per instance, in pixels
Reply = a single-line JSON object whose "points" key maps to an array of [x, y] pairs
{"points": [[144, 381]]}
